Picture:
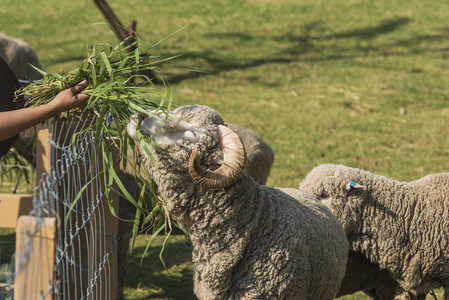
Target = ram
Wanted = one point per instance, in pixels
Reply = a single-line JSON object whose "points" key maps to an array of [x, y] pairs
{"points": [[249, 241], [260, 159]]}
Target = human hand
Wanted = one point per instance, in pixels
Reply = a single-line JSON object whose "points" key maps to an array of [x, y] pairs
{"points": [[15, 121], [69, 98]]}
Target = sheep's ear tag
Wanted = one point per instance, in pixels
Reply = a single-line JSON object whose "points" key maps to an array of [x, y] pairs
{"points": [[353, 186]]}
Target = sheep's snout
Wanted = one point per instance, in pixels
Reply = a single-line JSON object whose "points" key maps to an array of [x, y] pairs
{"points": [[132, 131], [166, 132], [151, 124], [134, 119]]}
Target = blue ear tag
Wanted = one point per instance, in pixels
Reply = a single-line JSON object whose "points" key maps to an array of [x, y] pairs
{"points": [[352, 184]]}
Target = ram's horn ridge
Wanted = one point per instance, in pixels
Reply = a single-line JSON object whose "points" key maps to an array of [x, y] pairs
{"points": [[234, 160]]}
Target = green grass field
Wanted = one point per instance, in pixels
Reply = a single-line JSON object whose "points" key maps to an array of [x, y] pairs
{"points": [[361, 83]]}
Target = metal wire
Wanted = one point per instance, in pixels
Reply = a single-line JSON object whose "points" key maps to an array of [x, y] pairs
{"points": [[74, 193]]}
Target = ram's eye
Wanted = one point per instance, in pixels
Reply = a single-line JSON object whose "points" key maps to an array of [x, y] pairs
{"points": [[324, 195], [191, 135]]}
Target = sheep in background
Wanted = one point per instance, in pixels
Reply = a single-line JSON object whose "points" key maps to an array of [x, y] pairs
{"points": [[249, 241], [260, 159], [401, 226], [19, 55], [259, 153]]}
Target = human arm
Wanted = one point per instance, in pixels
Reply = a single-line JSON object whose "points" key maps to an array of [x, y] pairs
{"points": [[15, 121]]}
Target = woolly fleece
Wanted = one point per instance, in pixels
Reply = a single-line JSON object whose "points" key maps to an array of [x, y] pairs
{"points": [[401, 226]]}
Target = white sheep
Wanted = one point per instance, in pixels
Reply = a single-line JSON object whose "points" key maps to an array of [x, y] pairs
{"points": [[401, 226], [260, 159], [249, 241], [19, 55]]}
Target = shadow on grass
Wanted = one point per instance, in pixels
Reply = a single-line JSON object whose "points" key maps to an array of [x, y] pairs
{"points": [[153, 280], [384, 27], [312, 46], [66, 59]]}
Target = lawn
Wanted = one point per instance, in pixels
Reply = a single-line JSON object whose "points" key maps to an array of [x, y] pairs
{"points": [[360, 83]]}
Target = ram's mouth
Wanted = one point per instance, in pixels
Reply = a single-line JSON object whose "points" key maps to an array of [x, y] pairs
{"points": [[134, 119], [133, 124], [144, 122]]}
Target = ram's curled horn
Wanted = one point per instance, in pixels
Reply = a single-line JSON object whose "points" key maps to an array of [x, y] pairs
{"points": [[234, 160]]}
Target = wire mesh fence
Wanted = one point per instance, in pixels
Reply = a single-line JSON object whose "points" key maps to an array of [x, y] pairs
{"points": [[66, 247]]}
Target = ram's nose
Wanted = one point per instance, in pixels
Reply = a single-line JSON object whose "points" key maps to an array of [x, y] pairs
{"points": [[135, 118]]}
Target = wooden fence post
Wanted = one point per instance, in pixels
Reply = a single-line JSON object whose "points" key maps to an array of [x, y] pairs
{"points": [[35, 240]]}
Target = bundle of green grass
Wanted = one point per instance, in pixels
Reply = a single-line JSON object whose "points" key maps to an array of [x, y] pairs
{"points": [[115, 80], [117, 86]]}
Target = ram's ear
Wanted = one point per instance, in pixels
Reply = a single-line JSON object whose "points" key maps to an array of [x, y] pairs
{"points": [[353, 186]]}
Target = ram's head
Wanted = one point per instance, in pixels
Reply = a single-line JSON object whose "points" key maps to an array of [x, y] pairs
{"points": [[216, 155]]}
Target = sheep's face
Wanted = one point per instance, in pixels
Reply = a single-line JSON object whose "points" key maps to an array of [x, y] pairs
{"points": [[336, 189], [178, 134], [169, 133], [197, 142]]}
